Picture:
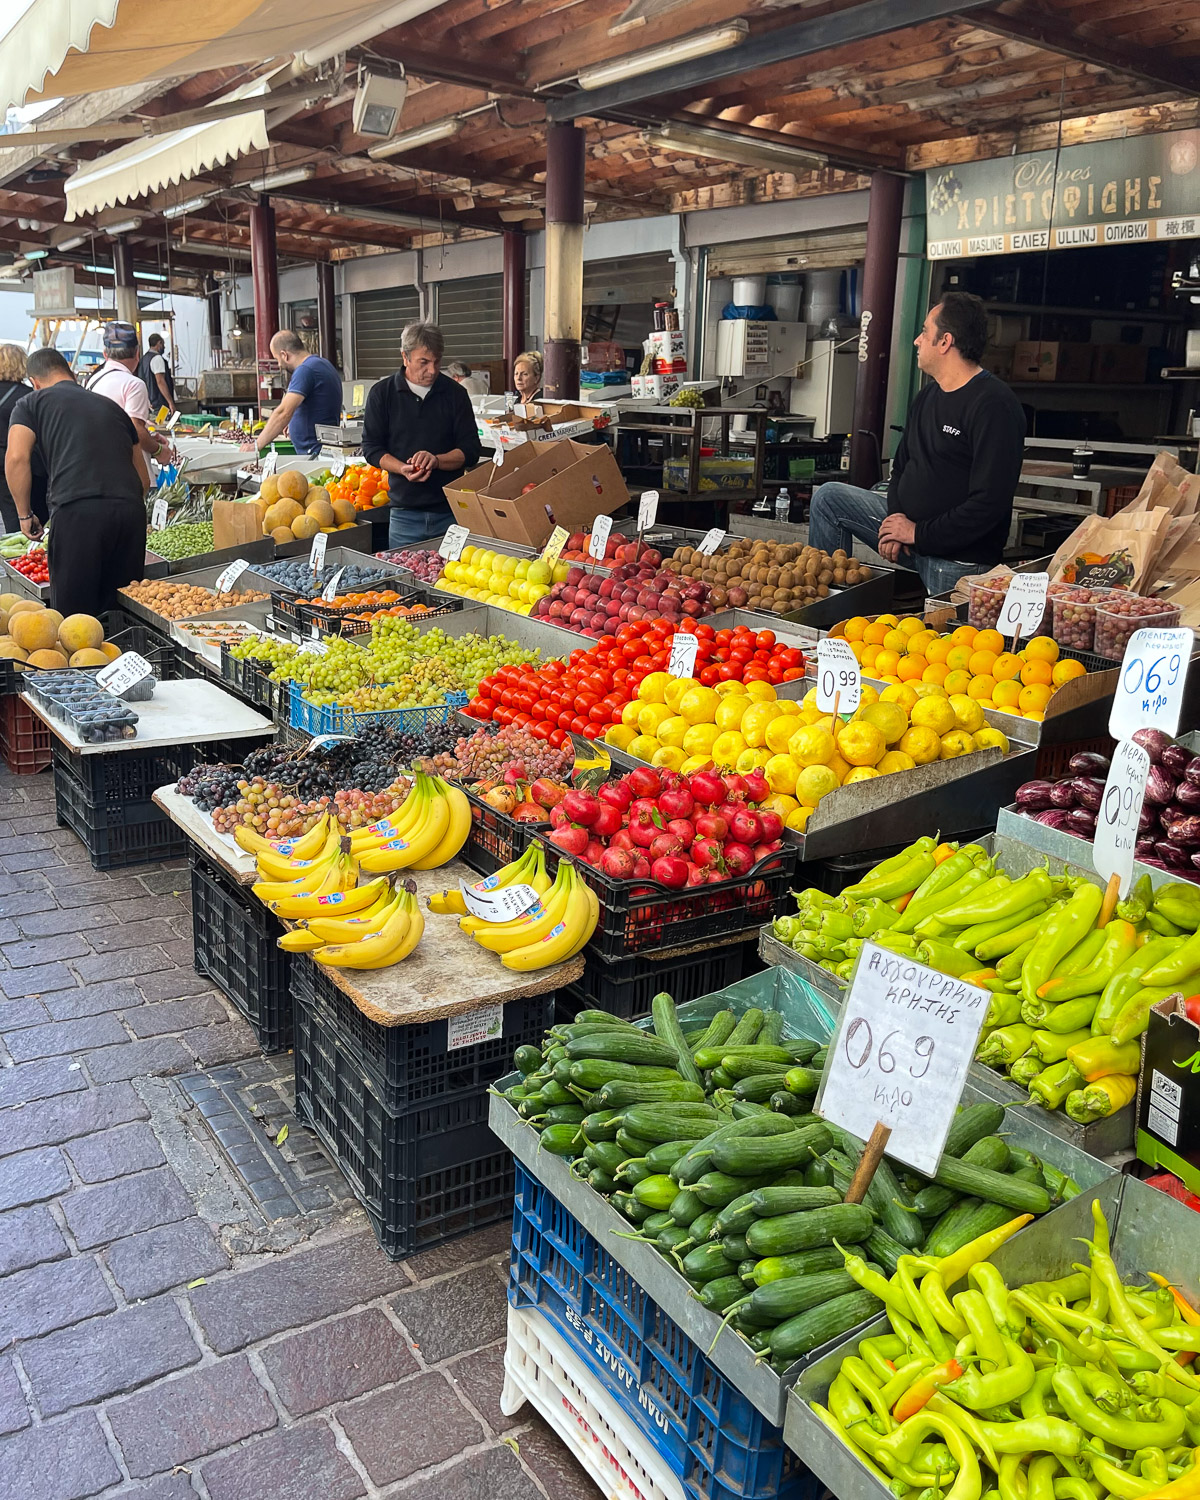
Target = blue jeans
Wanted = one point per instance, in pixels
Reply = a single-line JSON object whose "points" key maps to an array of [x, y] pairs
{"points": [[841, 513], [408, 528]]}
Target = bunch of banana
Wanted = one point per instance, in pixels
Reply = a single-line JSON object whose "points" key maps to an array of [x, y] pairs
{"points": [[530, 869], [328, 878], [427, 832], [555, 928], [395, 939], [306, 847], [315, 931]]}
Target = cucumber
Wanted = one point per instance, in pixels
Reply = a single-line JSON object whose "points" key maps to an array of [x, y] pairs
{"points": [[719, 1189], [883, 1197], [716, 1079], [766, 1203], [599, 1179], [994, 1187], [717, 1031], [672, 1237], [991, 1152], [771, 1030], [722, 1293], [634, 1171], [633, 1145], [743, 1109], [656, 1223], [627, 1204], [701, 1227], [801, 1050], [685, 1121], [802, 1081], [668, 1030], [750, 1156], [527, 1059], [698, 1160], [759, 1088], [686, 1206], [618, 1045], [779, 1300], [747, 1028], [601, 1125], [607, 1155], [600, 1018], [591, 1073], [802, 1263], [565, 1114], [786, 1233], [559, 1140], [740, 1066], [712, 1057], [784, 1103], [736, 1217], [970, 1125], [656, 1191], [706, 1262], [662, 1156], [554, 1093], [620, 1092], [963, 1223], [734, 1246], [834, 1319], [882, 1248], [819, 1058]]}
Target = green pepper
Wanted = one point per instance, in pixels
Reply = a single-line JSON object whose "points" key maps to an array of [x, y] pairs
{"points": [[1067, 1015], [1126, 982], [1177, 967], [1120, 943], [1035, 1435], [1121, 1431], [895, 942], [1163, 925], [1134, 1016], [1009, 967], [1053, 1046], [946, 959], [1179, 902], [1007, 1382], [986, 905], [902, 1444], [1004, 1009], [971, 937], [1080, 957], [1053, 1084], [1025, 1070], [1006, 1044], [1138, 902], [836, 927], [942, 921], [897, 876], [930, 905], [1062, 932], [1015, 936], [950, 872], [874, 916]]}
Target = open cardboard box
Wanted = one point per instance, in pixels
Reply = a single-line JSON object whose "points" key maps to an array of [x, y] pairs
{"points": [[574, 483], [1168, 1104], [463, 495]]}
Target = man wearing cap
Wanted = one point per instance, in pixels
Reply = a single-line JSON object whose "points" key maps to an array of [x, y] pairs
{"points": [[117, 378]]}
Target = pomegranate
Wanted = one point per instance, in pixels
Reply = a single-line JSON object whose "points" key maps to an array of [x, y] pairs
{"points": [[548, 793], [707, 787], [676, 802], [709, 853], [558, 818], [644, 781], [607, 823], [670, 871], [619, 864], [739, 859], [770, 825], [581, 807], [711, 825], [697, 875], [529, 812], [641, 868], [683, 829], [570, 839], [744, 827], [645, 823], [757, 787], [664, 845], [621, 840], [615, 794], [593, 851], [764, 851], [735, 787]]}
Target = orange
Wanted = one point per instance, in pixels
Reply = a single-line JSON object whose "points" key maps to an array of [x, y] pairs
{"points": [[959, 659], [936, 671], [1035, 696], [910, 667], [896, 641], [854, 627], [859, 649], [957, 682], [981, 687], [981, 663], [875, 633], [918, 642], [989, 640], [1037, 671], [1006, 666], [886, 663], [964, 635], [1066, 669], [869, 655], [888, 620], [911, 625], [938, 649], [1041, 648], [1006, 694]]}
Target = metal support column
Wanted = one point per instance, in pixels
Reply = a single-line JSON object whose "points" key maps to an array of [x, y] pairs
{"points": [[212, 299], [126, 295], [264, 270], [514, 300], [326, 313], [564, 260], [875, 341]]}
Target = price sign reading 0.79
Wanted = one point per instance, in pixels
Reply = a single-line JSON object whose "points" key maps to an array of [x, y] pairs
{"points": [[900, 1054], [1150, 691]]}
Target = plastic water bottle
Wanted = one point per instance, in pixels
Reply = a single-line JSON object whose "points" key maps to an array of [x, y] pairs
{"points": [[783, 506]]}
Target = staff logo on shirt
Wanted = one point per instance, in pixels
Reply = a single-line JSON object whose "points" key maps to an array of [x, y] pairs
{"points": [[951, 431]]}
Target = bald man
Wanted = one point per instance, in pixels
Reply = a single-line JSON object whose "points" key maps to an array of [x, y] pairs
{"points": [[314, 394]]}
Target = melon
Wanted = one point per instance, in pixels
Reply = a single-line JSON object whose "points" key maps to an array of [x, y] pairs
{"points": [[111, 650], [305, 526], [315, 492], [35, 631], [282, 513], [322, 512], [10, 651], [268, 491], [282, 534], [89, 658], [58, 619], [292, 485], [345, 512], [8, 600], [345, 526], [23, 605], [51, 659], [80, 633]]}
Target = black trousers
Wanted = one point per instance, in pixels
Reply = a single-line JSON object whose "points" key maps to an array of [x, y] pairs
{"points": [[96, 547]]}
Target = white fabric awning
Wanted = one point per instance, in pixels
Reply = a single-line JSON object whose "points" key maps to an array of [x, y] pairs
{"points": [[147, 166]]}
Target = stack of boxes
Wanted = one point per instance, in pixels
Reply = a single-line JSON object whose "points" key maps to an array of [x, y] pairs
{"points": [[669, 352]]}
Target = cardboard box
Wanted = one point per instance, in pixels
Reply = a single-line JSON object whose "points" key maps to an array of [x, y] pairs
{"points": [[668, 344], [1027, 360], [1169, 1093], [1119, 364], [463, 494], [575, 483], [998, 362], [1052, 359]]}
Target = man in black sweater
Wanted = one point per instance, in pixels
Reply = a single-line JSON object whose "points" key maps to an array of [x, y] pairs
{"points": [[949, 501], [420, 427]]}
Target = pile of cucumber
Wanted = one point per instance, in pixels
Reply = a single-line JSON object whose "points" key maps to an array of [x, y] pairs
{"points": [[706, 1143]]}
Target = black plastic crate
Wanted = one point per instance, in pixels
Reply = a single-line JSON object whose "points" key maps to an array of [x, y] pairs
{"points": [[423, 1175], [12, 679], [25, 740], [252, 680], [495, 839], [115, 835], [412, 1065], [639, 916], [234, 940], [627, 987], [326, 619], [122, 776]]}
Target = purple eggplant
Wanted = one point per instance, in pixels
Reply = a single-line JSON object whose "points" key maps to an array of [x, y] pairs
{"points": [[1160, 787], [1089, 792], [1175, 759], [1187, 794], [1081, 820], [1193, 770], [1034, 795], [1146, 817], [1090, 763], [1153, 742], [1185, 831], [1062, 793], [1054, 817], [1173, 855], [1195, 861], [1144, 849]]}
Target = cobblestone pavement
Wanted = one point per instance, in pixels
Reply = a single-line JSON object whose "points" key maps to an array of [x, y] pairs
{"points": [[173, 1325]]}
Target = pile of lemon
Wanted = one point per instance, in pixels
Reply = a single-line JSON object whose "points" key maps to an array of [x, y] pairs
{"points": [[676, 723], [907, 655]]}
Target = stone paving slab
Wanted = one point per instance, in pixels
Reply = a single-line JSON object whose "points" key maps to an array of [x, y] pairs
{"points": [[164, 1333]]}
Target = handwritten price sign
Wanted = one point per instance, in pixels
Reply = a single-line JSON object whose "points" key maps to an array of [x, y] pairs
{"points": [[710, 542], [1150, 692], [683, 655], [1120, 810], [499, 906], [451, 545], [552, 551], [647, 510], [1024, 604], [316, 556], [838, 676], [598, 540]]}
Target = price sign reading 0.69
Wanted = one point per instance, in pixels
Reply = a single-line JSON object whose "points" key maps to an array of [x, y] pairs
{"points": [[1150, 690]]}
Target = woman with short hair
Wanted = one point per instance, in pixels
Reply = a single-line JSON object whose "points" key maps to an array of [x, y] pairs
{"points": [[12, 387], [527, 375]]}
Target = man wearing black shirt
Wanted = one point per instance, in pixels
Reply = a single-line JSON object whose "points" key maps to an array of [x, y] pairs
{"points": [[948, 506], [98, 484], [419, 426]]}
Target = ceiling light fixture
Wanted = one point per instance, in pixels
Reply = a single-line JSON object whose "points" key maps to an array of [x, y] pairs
{"points": [[193, 205], [126, 226], [73, 243], [380, 216], [99, 270], [272, 181], [410, 140], [720, 145], [149, 276], [684, 49]]}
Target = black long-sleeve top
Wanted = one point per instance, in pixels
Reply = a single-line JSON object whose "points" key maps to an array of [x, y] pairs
{"points": [[397, 422]]}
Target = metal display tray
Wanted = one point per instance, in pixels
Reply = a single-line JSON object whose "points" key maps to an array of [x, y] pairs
{"points": [[805, 1015], [17, 583], [262, 551], [202, 578], [1150, 1232]]}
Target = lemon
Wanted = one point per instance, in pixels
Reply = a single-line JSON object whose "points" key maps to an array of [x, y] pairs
{"points": [[643, 747], [902, 693], [781, 772], [812, 746], [695, 763], [730, 710], [868, 695], [957, 742], [928, 689], [762, 692], [889, 718], [790, 706], [726, 748], [779, 732], [921, 743], [780, 802], [675, 689], [629, 714], [813, 783], [755, 722], [861, 773], [670, 757], [651, 716], [839, 767], [737, 689], [751, 760], [620, 735], [986, 738], [934, 713], [810, 699], [967, 713], [797, 819], [673, 731], [860, 743], [698, 705], [699, 739], [895, 760]]}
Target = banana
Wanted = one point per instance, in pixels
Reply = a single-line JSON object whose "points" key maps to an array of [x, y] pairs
{"points": [[458, 828], [333, 875], [307, 846], [402, 821], [503, 937], [404, 853], [451, 903], [341, 901], [562, 940], [589, 926], [279, 867], [362, 924], [300, 940], [394, 942], [535, 875]]}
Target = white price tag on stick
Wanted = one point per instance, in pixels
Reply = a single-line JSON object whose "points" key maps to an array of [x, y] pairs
{"points": [[329, 592], [1150, 691], [227, 579], [451, 545], [710, 542], [900, 1054], [119, 676], [683, 655], [1120, 810], [552, 551], [1024, 604], [501, 905], [839, 676], [647, 510], [158, 516], [316, 557], [270, 463], [598, 541], [337, 465]]}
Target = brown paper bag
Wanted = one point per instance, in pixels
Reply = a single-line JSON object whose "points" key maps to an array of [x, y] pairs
{"points": [[235, 522]]}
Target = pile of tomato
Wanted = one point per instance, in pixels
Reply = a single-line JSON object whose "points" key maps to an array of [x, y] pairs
{"points": [[34, 565], [363, 485], [586, 693]]}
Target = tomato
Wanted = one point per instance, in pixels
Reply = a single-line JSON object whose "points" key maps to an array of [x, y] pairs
{"points": [[765, 639], [755, 674], [730, 671], [710, 675], [774, 672], [606, 643], [591, 731], [631, 650], [558, 737], [793, 674], [541, 731], [723, 637], [577, 724], [564, 717], [615, 717], [706, 632], [792, 657]]}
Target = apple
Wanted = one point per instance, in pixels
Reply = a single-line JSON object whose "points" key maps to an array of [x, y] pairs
{"points": [[576, 542]]}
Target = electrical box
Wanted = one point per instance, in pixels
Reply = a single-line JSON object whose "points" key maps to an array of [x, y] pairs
{"points": [[759, 351], [824, 389]]}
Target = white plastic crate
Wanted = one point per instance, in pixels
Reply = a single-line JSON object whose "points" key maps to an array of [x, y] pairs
{"points": [[540, 1369]]}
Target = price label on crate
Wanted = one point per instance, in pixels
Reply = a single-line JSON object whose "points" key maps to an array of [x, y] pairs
{"points": [[501, 905], [316, 556], [1024, 604], [839, 677], [899, 1056], [683, 655], [647, 510], [552, 551], [1120, 811], [227, 579], [451, 545], [710, 542], [474, 1027], [329, 592], [119, 676], [270, 463], [1150, 691], [158, 516], [598, 540], [337, 465]]}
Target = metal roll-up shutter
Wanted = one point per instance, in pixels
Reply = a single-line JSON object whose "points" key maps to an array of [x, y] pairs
{"points": [[379, 320], [629, 279], [821, 250], [470, 314]]}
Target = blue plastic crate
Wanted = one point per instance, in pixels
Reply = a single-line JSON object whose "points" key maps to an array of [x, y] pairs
{"points": [[720, 1446], [330, 719]]}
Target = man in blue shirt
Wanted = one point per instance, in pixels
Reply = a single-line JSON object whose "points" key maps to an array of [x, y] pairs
{"points": [[314, 395]]}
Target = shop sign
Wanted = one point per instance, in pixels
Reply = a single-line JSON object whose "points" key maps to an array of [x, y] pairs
{"points": [[1122, 192]]}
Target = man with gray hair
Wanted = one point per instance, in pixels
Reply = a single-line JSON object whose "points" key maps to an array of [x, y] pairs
{"points": [[419, 426], [314, 394]]}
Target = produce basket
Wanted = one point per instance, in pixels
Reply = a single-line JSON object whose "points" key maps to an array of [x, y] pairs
{"points": [[255, 684], [495, 839], [25, 739], [326, 619], [234, 939], [315, 718], [15, 582]]}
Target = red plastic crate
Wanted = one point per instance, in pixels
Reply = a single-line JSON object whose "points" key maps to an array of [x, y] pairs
{"points": [[25, 739]]}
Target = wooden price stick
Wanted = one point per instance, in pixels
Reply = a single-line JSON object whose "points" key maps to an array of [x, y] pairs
{"points": [[837, 698], [871, 1157], [1112, 894]]}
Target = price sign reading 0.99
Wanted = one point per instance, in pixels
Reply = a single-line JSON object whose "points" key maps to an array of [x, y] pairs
{"points": [[647, 509], [900, 1054], [1120, 811], [838, 676], [1150, 691]]}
